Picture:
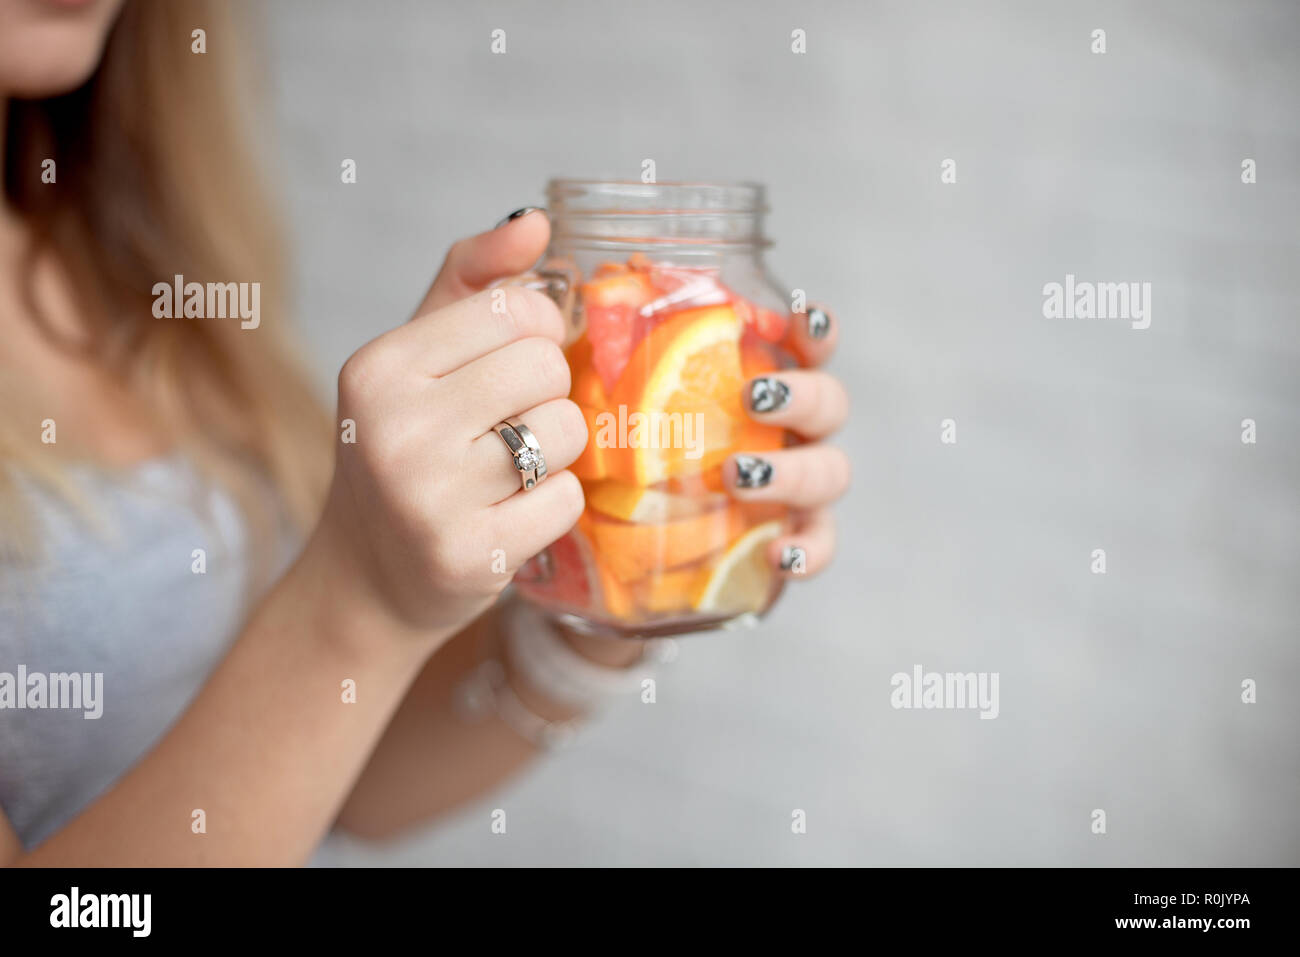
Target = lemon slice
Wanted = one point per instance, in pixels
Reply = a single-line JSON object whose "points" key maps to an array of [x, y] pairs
{"points": [[742, 578], [632, 503]]}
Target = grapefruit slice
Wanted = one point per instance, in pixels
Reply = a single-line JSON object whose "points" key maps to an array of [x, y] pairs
{"points": [[562, 574], [612, 305]]}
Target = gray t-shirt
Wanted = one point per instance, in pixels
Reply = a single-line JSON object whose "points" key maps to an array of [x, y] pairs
{"points": [[132, 601]]}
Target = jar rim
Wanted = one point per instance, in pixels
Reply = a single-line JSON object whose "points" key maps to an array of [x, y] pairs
{"points": [[622, 197]]}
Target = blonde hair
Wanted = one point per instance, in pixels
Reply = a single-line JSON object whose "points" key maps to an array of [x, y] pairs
{"points": [[154, 180]]}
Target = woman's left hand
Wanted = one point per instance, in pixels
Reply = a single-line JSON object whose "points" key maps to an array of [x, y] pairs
{"points": [[808, 477], [813, 404]]}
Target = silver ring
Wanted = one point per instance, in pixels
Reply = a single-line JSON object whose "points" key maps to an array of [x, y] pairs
{"points": [[525, 453]]}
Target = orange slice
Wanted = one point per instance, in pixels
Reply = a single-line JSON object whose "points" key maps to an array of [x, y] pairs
{"points": [[632, 503], [633, 551], [593, 464], [615, 596], [756, 437], [617, 287], [671, 591], [609, 269], [687, 366], [589, 394], [585, 388], [700, 484], [756, 359]]}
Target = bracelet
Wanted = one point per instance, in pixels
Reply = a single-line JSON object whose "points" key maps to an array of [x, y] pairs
{"points": [[539, 653], [485, 690]]}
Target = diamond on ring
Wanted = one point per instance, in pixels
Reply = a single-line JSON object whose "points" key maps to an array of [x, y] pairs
{"points": [[525, 453]]}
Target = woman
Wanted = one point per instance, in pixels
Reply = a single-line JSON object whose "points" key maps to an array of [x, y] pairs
{"points": [[158, 471]]}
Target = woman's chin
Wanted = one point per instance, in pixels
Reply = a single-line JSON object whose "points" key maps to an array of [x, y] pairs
{"points": [[44, 80], [48, 55]]}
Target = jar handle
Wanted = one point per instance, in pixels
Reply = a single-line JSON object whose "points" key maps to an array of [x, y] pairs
{"points": [[558, 279]]}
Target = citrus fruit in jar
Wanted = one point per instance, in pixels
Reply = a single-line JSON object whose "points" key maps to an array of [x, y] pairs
{"points": [[659, 373]]}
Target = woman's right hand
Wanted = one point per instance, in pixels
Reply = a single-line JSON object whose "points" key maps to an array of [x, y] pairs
{"points": [[425, 514]]}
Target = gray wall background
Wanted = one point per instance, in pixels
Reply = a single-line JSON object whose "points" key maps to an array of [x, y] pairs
{"points": [[1119, 692]]}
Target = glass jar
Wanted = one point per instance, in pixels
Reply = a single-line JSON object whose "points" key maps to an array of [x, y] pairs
{"points": [[671, 313]]}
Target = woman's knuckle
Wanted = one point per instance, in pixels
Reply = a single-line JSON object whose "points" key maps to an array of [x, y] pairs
{"points": [[547, 358], [458, 251], [527, 312], [362, 374], [572, 500], [353, 376], [509, 310], [804, 481], [544, 314], [572, 424], [841, 471]]}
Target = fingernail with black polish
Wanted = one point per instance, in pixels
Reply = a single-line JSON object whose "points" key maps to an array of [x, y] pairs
{"points": [[793, 559], [768, 395], [752, 472], [819, 323], [519, 214]]}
